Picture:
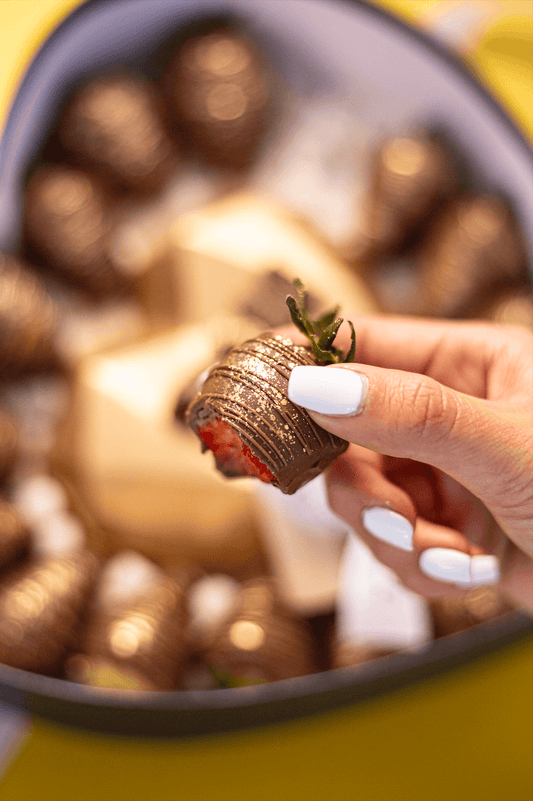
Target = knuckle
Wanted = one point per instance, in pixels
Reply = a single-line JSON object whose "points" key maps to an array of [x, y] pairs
{"points": [[433, 411]]}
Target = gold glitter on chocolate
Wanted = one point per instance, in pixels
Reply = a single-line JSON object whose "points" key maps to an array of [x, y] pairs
{"points": [[244, 405], [218, 87], [27, 322], [113, 125], [261, 640], [41, 611], [142, 642], [69, 225]]}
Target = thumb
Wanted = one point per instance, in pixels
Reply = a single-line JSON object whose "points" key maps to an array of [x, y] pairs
{"points": [[480, 443]]}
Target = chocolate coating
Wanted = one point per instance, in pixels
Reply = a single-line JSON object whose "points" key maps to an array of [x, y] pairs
{"points": [[457, 613], [410, 177], [27, 322], [261, 640], [248, 391], [346, 654], [14, 534], [41, 610], [142, 642], [475, 245], [69, 225], [9, 439], [219, 90], [113, 125]]}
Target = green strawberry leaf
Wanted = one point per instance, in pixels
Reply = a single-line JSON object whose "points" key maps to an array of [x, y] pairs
{"points": [[322, 332]]}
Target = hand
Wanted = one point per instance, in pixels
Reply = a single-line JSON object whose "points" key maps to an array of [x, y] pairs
{"points": [[438, 480]]}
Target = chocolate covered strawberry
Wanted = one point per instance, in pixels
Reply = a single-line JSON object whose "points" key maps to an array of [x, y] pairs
{"points": [[243, 413]]}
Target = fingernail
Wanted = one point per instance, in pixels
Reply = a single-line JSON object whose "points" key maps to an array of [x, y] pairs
{"points": [[389, 526], [484, 569], [455, 567], [327, 390]]}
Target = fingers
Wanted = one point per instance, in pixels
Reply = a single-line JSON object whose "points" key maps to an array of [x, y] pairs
{"points": [[430, 559], [409, 415], [356, 478]]}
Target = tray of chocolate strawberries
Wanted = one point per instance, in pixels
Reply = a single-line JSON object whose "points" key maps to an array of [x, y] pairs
{"points": [[177, 181]]}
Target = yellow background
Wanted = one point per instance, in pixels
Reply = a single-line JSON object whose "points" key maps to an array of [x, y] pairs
{"points": [[465, 736]]}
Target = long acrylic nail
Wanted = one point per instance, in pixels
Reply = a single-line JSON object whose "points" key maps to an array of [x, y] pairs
{"points": [[456, 567], [327, 390], [389, 526]]}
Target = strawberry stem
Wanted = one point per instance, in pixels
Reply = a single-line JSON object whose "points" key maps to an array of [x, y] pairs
{"points": [[322, 332]]}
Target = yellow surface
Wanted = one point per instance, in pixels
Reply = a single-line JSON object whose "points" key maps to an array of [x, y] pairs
{"points": [[24, 25], [502, 58], [465, 736]]}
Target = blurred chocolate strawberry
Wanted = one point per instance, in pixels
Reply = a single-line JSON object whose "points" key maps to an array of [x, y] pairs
{"points": [[260, 640], [410, 178], [41, 610], [27, 322], [68, 225], [219, 90], [113, 125], [475, 246]]}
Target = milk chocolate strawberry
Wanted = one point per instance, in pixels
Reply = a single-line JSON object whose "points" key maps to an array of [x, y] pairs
{"points": [[243, 413], [113, 125], [219, 90], [42, 606], [28, 322]]}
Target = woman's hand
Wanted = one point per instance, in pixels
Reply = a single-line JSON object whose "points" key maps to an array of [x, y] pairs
{"points": [[439, 479]]}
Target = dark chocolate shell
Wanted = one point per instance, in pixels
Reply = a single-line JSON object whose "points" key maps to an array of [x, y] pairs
{"points": [[261, 640], [475, 245], [142, 642], [268, 436], [113, 125], [14, 535], [27, 322], [41, 611], [68, 224], [219, 90]]}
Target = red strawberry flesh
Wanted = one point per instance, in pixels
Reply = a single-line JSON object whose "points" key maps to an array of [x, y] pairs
{"points": [[231, 452]]}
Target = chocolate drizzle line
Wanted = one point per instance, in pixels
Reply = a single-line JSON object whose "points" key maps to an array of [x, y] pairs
{"points": [[294, 355], [284, 350], [263, 357], [256, 383], [233, 415]]}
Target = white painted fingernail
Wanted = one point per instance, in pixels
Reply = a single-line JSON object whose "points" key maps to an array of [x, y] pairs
{"points": [[456, 567], [484, 569], [389, 526], [445, 564], [327, 390]]}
